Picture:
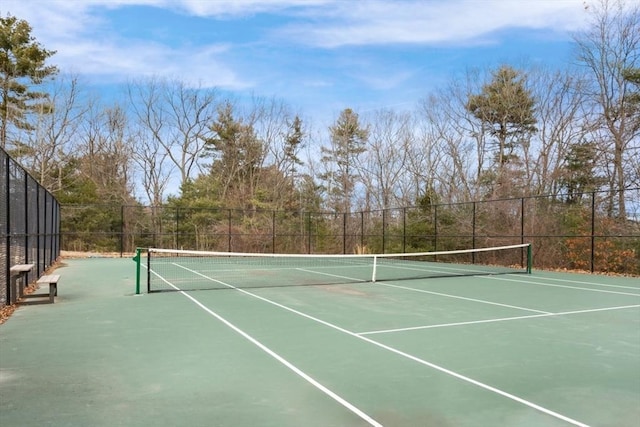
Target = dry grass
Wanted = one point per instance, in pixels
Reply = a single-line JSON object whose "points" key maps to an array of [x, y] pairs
{"points": [[78, 254]]}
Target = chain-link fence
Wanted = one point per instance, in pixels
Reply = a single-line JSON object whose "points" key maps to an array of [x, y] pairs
{"points": [[29, 224], [581, 232]]}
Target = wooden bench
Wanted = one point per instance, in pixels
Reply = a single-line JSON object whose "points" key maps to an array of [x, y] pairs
{"points": [[52, 281], [18, 273]]}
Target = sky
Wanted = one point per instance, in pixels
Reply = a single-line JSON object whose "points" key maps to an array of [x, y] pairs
{"points": [[319, 56]]}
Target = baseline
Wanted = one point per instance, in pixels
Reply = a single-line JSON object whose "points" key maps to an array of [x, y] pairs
{"points": [[606, 285], [561, 286]]}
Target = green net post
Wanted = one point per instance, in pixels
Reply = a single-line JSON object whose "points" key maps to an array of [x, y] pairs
{"points": [[137, 260], [529, 259]]}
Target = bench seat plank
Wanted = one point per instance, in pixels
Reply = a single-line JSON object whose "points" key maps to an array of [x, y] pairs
{"points": [[52, 281], [49, 278]]}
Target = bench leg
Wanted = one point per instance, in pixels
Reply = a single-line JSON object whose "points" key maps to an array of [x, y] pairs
{"points": [[22, 278], [53, 291], [14, 290]]}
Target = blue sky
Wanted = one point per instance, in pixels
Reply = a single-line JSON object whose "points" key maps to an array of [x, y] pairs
{"points": [[319, 56]]}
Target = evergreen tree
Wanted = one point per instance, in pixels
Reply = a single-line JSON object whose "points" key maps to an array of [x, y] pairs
{"points": [[238, 158], [22, 64], [632, 75], [579, 175], [506, 107], [348, 140], [293, 142]]}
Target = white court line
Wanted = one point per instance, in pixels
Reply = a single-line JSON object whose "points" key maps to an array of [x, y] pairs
{"points": [[351, 279], [462, 298], [398, 352], [272, 353], [589, 283], [503, 319], [560, 286]]}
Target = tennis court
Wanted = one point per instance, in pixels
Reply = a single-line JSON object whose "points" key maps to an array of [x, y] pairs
{"points": [[509, 349]]}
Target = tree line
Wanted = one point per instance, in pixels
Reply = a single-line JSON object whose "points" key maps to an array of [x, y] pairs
{"points": [[510, 131]]}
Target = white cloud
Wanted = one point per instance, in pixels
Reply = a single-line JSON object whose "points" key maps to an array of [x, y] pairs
{"points": [[433, 22], [198, 66], [386, 80], [87, 43], [242, 7]]}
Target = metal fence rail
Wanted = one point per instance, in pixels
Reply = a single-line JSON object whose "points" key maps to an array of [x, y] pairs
{"points": [[580, 232], [29, 224]]}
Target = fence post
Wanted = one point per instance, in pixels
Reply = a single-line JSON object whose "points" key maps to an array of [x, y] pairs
{"points": [[522, 220], [27, 258], [384, 228], [228, 230], [7, 230], [42, 229], [39, 261], [121, 231], [176, 235], [344, 233], [522, 224], [404, 229], [435, 227], [308, 232], [362, 229], [593, 231], [473, 233]]}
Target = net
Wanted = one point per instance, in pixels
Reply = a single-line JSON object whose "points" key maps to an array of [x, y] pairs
{"points": [[175, 270]]}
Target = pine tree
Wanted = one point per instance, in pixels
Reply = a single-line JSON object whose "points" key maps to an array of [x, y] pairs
{"points": [[22, 65], [348, 140], [506, 107]]}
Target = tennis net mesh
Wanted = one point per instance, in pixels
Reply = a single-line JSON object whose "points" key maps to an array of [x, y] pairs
{"points": [[175, 270]]}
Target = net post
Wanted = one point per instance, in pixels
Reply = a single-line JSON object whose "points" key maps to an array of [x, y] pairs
{"points": [[136, 259], [529, 259]]}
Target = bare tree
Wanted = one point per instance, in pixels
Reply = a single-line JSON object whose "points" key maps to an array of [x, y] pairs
{"points": [[562, 113], [154, 165], [53, 140], [283, 135], [448, 158], [607, 48], [105, 153], [383, 166], [459, 142], [177, 117]]}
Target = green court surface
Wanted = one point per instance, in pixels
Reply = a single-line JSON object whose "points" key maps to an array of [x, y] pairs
{"points": [[546, 349]]}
